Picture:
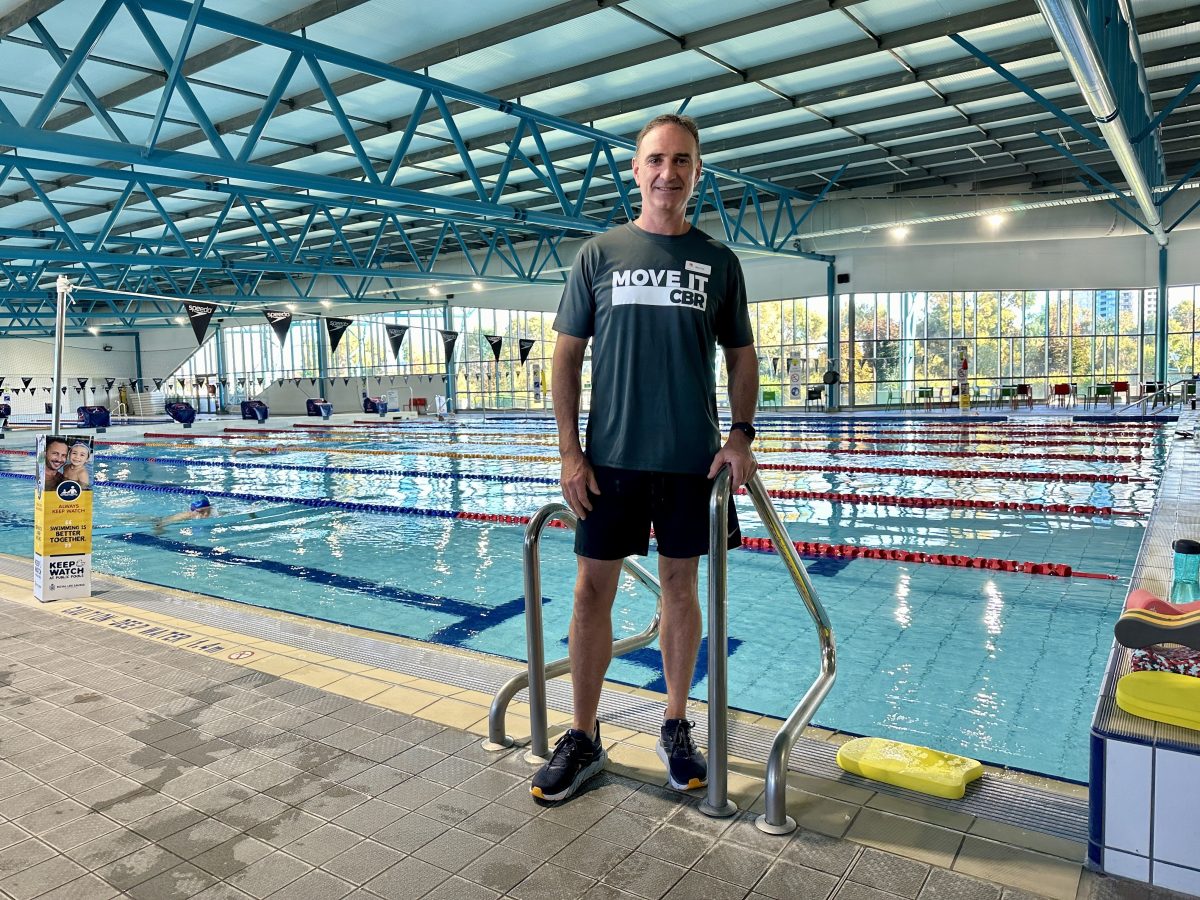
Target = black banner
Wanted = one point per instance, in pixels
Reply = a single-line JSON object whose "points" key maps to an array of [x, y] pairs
{"points": [[26, 381], [281, 321], [108, 383], [157, 383], [395, 335], [497, 342], [449, 339], [336, 328], [199, 312], [526, 346], [774, 365], [82, 383]]}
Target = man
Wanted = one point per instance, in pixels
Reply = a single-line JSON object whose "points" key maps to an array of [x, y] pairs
{"points": [[197, 509], [56, 459], [655, 297]]}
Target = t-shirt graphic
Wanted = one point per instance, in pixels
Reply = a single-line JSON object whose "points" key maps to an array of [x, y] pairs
{"points": [[661, 287]]}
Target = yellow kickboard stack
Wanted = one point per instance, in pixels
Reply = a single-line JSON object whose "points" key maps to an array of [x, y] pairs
{"points": [[1161, 696], [909, 766]]}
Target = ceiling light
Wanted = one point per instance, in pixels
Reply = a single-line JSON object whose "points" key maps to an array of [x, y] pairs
{"points": [[433, 290], [93, 329], [327, 303], [180, 320], [477, 285], [291, 306], [899, 233], [995, 220]]}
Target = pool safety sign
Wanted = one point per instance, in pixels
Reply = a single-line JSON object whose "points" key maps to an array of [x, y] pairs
{"points": [[62, 519]]}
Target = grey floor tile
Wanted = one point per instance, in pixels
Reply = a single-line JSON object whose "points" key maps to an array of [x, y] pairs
{"points": [[622, 827], [676, 845], [106, 848], [852, 890], [452, 850], [48, 817], [456, 888], [269, 874], [944, 885], [367, 818], [333, 802], [410, 833], [819, 851], [490, 784], [500, 869], [696, 885], [590, 856], [253, 811], [494, 823], [734, 864], [166, 822], [645, 876], [286, 827], [452, 806], [409, 879], [142, 865], [581, 813], [888, 872], [13, 834], [234, 855], [785, 881], [653, 801], [362, 862], [315, 885], [222, 891], [175, 884], [89, 887], [537, 838], [322, 844], [196, 839], [550, 882], [42, 877]]}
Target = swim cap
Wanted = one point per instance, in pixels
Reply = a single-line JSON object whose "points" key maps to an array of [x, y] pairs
{"points": [[202, 503]]}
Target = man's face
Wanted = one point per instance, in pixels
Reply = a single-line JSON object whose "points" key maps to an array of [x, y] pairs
{"points": [[56, 454], [666, 168]]}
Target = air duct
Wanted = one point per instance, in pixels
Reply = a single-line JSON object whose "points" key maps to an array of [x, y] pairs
{"points": [[1070, 31]]}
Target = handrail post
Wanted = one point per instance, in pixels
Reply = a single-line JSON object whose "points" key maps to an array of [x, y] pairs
{"points": [[717, 803], [538, 671]]}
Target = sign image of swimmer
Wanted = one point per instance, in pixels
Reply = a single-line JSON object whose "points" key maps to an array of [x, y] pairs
{"points": [[62, 521]]}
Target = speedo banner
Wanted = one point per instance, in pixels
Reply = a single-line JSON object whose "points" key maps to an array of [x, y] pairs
{"points": [[62, 518]]}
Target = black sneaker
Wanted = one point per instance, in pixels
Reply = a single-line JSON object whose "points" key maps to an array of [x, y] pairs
{"points": [[686, 768], [575, 759]]}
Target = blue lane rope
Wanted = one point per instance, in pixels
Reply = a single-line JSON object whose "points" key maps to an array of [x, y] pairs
{"points": [[292, 467], [316, 502]]}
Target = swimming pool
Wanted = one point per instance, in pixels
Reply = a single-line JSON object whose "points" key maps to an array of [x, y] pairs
{"points": [[999, 664]]}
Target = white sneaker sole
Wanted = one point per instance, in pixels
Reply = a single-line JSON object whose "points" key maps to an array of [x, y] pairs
{"points": [[666, 761]]}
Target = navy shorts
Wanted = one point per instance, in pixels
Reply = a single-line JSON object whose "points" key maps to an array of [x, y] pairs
{"points": [[632, 501]]}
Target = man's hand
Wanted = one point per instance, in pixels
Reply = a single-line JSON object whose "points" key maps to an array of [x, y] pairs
{"points": [[577, 478], [737, 455]]}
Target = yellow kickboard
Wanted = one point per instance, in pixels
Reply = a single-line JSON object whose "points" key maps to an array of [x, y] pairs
{"points": [[909, 766], [1161, 696]]}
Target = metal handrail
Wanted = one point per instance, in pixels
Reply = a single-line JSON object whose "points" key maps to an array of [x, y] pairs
{"points": [[539, 670], [1165, 392], [775, 820]]}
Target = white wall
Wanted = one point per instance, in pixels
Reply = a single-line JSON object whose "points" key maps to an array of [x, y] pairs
{"points": [[289, 398], [83, 357]]}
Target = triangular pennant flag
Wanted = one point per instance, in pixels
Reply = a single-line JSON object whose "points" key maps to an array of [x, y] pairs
{"points": [[281, 321], [378, 379], [392, 380], [449, 339], [92, 389], [395, 335], [224, 382], [25, 381], [261, 380], [108, 383], [47, 390], [241, 382], [312, 381], [526, 344], [157, 383], [497, 342], [200, 382], [78, 390], [82, 382], [345, 381], [774, 364], [336, 328], [296, 382], [199, 313], [1, 381], [64, 390]]}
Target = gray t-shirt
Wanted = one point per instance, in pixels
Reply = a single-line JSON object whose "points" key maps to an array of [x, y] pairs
{"points": [[655, 307]]}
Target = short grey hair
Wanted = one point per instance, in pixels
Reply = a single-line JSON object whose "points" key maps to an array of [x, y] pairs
{"points": [[687, 123]]}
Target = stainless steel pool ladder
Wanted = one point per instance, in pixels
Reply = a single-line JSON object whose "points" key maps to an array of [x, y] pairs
{"points": [[775, 820], [539, 670], [717, 803]]}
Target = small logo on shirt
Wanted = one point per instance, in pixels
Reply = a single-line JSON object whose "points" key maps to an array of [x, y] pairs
{"points": [[697, 267]]}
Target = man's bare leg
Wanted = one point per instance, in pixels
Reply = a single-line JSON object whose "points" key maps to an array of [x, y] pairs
{"points": [[679, 637], [590, 646]]}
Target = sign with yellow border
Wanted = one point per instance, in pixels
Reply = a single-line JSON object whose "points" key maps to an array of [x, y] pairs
{"points": [[62, 518]]}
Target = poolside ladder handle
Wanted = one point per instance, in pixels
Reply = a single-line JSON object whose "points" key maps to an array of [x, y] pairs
{"points": [[539, 670], [775, 820]]}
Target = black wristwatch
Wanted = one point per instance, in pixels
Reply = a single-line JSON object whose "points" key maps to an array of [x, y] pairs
{"points": [[745, 428]]}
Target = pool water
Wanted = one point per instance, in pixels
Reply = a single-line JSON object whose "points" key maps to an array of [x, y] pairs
{"points": [[1000, 665]]}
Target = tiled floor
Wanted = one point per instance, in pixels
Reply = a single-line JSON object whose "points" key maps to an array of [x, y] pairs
{"points": [[135, 768]]}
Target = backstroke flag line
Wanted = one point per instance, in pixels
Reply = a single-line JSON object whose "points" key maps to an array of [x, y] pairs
{"points": [[497, 342], [199, 313], [395, 335], [449, 338], [336, 328], [526, 344], [281, 321]]}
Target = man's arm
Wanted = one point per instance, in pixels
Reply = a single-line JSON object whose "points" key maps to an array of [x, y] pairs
{"points": [[742, 364], [576, 477]]}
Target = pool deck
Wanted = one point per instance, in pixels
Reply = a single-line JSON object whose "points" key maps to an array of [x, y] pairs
{"points": [[157, 744]]}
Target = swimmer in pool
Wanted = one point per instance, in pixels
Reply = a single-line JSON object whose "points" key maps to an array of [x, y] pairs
{"points": [[76, 468], [255, 450], [199, 509]]}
